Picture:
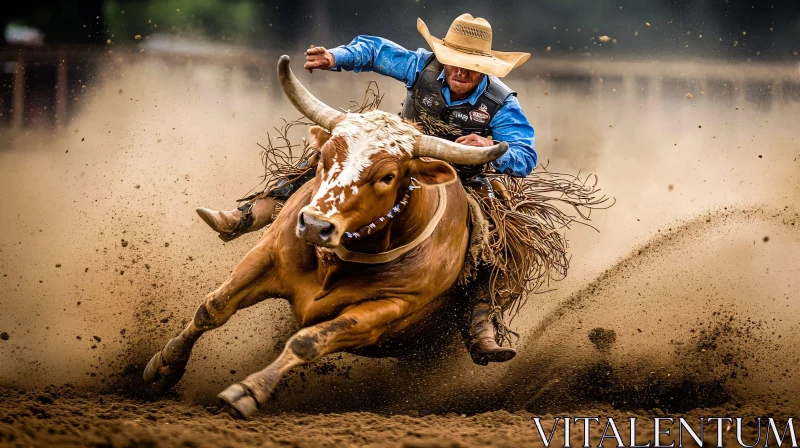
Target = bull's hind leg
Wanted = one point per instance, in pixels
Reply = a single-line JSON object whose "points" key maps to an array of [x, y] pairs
{"points": [[360, 326], [251, 281]]}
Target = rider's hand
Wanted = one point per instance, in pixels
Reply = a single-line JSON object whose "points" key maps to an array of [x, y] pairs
{"points": [[319, 58], [474, 140]]}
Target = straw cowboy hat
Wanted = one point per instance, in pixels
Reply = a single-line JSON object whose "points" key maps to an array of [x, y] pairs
{"points": [[468, 44]]}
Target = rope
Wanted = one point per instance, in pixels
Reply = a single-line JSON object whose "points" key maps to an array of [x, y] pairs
{"points": [[527, 248]]}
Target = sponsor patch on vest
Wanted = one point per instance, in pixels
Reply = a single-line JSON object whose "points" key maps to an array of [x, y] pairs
{"points": [[460, 115], [479, 115]]}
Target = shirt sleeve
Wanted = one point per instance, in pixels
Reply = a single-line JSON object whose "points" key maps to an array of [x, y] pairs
{"points": [[369, 53], [511, 126]]}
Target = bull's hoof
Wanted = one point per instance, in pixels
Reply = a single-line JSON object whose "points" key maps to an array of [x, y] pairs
{"points": [[238, 401], [161, 376]]}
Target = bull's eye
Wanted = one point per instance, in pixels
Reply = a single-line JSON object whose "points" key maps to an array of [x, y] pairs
{"points": [[387, 179]]}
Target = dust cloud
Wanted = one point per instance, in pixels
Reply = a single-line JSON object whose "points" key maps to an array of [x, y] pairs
{"points": [[693, 270]]}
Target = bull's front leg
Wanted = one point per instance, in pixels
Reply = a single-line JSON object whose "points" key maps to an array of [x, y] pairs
{"points": [[359, 326], [251, 281]]}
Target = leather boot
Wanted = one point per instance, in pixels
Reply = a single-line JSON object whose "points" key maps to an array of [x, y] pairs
{"points": [[483, 345], [231, 224], [259, 211]]}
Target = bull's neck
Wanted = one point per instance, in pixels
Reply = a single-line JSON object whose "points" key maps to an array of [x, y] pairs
{"points": [[403, 228]]}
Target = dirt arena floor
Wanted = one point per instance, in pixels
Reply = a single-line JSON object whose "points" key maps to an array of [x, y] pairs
{"points": [[684, 303], [63, 417]]}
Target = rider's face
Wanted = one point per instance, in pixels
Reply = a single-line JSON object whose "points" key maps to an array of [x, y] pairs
{"points": [[462, 82]]}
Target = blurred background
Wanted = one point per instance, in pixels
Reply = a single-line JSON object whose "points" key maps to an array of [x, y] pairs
{"points": [[119, 118], [765, 30], [48, 46]]}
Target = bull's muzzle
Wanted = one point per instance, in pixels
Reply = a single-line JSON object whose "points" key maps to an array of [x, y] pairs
{"points": [[318, 230]]}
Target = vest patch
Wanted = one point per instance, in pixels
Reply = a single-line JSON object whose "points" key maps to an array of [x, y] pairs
{"points": [[480, 115], [430, 101], [460, 115]]}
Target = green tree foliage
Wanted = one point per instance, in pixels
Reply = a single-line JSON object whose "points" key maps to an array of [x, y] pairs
{"points": [[236, 21]]}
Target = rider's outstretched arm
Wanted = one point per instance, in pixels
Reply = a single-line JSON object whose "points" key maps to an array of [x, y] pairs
{"points": [[369, 53]]}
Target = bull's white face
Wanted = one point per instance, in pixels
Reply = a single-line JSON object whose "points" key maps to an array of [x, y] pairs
{"points": [[363, 139], [365, 166]]}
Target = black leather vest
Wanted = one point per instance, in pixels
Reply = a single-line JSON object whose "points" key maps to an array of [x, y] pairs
{"points": [[425, 105]]}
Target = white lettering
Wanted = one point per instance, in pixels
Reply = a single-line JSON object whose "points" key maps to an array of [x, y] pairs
{"points": [[567, 436], [682, 424], [586, 421], [719, 428], [657, 429], [789, 427], [739, 433], [633, 435], [545, 440], [610, 424]]}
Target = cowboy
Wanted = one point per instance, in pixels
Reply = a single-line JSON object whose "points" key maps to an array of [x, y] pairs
{"points": [[454, 92]]}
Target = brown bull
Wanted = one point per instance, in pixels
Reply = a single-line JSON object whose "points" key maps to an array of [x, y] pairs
{"points": [[396, 222]]}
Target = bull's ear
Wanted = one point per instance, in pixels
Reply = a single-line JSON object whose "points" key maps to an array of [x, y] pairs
{"points": [[431, 171], [318, 136]]}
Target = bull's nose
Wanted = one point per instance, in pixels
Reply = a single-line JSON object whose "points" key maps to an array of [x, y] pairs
{"points": [[315, 230]]}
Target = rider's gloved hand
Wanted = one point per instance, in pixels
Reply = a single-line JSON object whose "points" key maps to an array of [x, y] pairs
{"points": [[319, 58]]}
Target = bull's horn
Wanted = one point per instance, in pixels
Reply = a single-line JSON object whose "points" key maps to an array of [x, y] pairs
{"points": [[452, 152], [308, 105]]}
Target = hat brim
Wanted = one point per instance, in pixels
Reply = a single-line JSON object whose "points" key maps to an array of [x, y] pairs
{"points": [[499, 64]]}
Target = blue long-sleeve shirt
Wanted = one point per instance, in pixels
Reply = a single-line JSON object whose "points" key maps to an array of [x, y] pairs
{"points": [[368, 53]]}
